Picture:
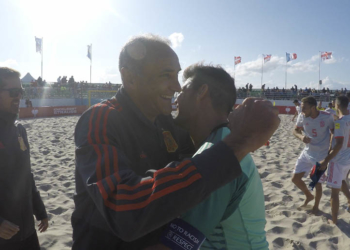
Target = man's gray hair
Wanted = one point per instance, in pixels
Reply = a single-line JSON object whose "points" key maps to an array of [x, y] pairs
{"points": [[137, 50]]}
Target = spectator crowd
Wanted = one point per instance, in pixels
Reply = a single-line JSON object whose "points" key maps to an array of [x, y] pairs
{"points": [[63, 88], [276, 93], [69, 88]]}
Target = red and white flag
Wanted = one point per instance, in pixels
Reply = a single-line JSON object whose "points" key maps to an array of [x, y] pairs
{"points": [[237, 60], [267, 58], [326, 55]]}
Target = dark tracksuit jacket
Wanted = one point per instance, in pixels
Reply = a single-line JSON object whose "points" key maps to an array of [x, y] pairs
{"points": [[115, 201], [19, 197]]}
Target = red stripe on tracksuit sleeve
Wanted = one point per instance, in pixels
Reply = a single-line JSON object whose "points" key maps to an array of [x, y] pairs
{"points": [[157, 195], [105, 126], [156, 183], [99, 155], [97, 149], [177, 168], [149, 181], [174, 177], [97, 125], [130, 188], [99, 173], [90, 124]]}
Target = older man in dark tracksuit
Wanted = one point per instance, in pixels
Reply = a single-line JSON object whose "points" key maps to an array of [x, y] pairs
{"points": [[119, 140], [19, 198]]}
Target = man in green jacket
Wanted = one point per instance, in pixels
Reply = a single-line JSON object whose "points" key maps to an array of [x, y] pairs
{"points": [[233, 217]]}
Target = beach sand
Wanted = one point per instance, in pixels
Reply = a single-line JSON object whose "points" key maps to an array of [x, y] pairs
{"points": [[52, 155]]}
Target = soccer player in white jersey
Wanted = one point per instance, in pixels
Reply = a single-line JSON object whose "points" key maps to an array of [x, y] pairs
{"points": [[297, 109], [339, 157], [347, 179], [331, 110], [317, 126]]}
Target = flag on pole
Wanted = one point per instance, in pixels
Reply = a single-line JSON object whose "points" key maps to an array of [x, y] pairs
{"points": [[267, 58], [326, 55], [38, 42], [237, 60], [291, 56], [89, 53]]}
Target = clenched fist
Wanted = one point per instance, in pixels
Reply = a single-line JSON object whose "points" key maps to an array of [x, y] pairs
{"points": [[252, 124]]}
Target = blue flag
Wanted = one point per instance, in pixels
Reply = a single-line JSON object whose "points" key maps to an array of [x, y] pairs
{"points": [[287, 57], [89, 54], [38, 44]]}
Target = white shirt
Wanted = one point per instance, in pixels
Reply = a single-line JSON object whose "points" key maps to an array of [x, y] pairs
{"points": [[342, 130], [318, 130], [331, 111], [298, 109]]}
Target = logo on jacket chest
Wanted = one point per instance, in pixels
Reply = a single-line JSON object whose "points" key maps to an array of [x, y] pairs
{"points": [[170, 142], [22, 145]]}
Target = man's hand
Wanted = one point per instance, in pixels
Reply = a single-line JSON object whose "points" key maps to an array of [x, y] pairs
{"points": [[8, 230], [323, 164], [306, 139], [43, 225], [252, 124]]}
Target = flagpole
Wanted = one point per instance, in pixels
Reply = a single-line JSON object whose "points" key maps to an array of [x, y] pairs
{"points": [[285, 87], [319, 71], [262, 71], [90, 62], [42, 56], [234, 70]]}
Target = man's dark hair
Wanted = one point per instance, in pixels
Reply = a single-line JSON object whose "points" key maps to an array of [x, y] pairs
{"points": [[342, 101], [309, 100], [330, 105], [295, 101], [138, 49], [7, 73], [220, 84]]}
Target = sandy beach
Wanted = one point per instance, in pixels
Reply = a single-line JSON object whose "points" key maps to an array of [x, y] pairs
{"points": [[52, 155]]}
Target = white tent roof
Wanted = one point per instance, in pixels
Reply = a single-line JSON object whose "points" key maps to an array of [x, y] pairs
{"points": [[27, 78]]}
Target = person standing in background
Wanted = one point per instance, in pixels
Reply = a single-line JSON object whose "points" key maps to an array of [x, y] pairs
{"points": [[20, 199]]}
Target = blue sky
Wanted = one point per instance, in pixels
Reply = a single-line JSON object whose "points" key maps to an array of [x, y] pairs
{"points": [[210, 31]]}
